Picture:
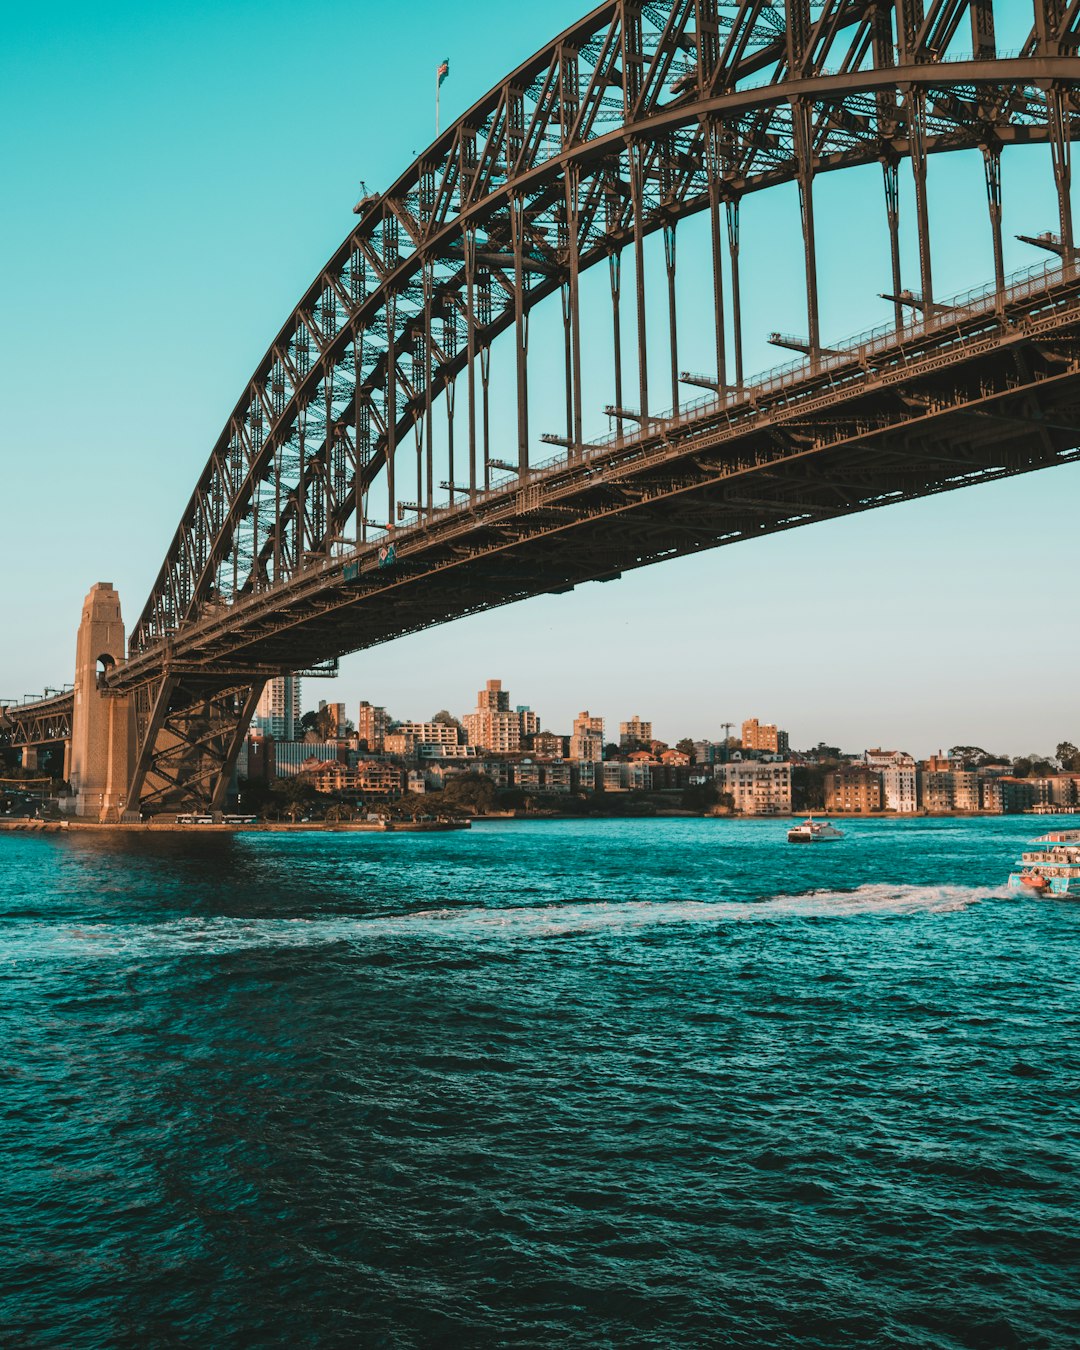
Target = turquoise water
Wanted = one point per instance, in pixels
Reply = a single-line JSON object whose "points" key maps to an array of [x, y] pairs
{"points": [[660, 1083]]}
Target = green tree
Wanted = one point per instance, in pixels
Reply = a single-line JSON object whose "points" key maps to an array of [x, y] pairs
{"points": [[470, 791], [686, 745], [323, 723], [447, 719], [1068, 756]]}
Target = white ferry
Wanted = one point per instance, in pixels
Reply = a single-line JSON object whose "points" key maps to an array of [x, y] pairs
{"points": [[813, 831], [1051, 870]]}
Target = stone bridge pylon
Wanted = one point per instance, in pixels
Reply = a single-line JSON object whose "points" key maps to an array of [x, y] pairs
{"points": [[103, 723]]}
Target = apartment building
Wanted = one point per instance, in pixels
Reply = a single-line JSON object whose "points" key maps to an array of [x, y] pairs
{"points": [[587, 738], [493, 725], [853, 788], [406, 738], [758, 789], [372, 724], [634, 733], [764, 738], [899, 779]]}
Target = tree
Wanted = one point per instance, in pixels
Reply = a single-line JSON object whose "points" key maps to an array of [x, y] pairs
{"points": [[447, 719], [323, 723], [471, 791], [700, 796], [1068, 756], [686, 745]]}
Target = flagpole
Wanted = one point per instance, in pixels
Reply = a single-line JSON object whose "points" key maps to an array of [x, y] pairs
{"points": [[438, 81]]}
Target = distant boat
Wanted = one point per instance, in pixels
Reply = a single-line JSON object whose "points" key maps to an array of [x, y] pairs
{"points": [[1053, 870], [813, 831]]}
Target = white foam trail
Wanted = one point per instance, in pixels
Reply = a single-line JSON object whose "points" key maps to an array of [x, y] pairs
{"points": [[220, 936]]}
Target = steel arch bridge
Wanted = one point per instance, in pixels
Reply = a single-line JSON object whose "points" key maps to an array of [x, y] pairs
{"points": [[358, 490]]}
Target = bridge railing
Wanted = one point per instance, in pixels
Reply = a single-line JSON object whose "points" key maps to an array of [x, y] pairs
{"points": [[850, 354]]}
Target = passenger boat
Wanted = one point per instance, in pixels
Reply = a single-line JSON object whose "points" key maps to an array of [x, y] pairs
{"points": [[813, 831], [1053, 869]]}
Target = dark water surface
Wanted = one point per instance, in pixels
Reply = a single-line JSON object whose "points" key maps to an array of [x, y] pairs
{"points": [[670, 1083]]}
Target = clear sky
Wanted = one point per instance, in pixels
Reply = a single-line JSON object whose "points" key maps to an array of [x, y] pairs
{"points": [[174, 176]]}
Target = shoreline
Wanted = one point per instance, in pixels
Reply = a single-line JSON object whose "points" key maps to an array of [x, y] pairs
{"points": [[26, 825]]}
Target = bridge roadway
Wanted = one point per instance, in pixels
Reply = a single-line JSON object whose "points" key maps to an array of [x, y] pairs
{"points": [[987, 388]]}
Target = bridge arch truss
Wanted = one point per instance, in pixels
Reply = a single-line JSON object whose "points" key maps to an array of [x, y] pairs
{"points": [[630, 121]]}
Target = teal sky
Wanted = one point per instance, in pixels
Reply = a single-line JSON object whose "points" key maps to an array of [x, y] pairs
{"points": [[174, 176]]}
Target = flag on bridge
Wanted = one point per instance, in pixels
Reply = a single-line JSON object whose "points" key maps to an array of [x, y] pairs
{"points": [[443, 70]]}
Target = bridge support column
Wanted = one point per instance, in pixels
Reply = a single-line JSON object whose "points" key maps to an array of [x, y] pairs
{"points": [[29, 757], [102, 725]]}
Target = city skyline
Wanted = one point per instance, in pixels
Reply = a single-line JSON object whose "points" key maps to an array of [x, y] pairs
{"points": [[903, 624], [777, 735]]}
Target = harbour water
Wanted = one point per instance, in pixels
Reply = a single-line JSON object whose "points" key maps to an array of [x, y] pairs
{"points": [[662, 1083]]}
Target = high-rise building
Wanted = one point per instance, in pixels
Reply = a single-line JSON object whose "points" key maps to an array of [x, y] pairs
{"points": [[277, 713], [493, 726], [587, 739], [493, 698], [372, 724], [633, 733], [763, 738], [528, 720]]}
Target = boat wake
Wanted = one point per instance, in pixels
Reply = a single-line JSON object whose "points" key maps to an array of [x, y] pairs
{"points": [[474, 923]]}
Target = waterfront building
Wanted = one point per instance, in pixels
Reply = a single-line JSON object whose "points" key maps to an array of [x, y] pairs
{"points": [[372, 724], [899, 779], [936, 790], [949, 789], [758, 789], [634, 733], [758, 737], [493, 726], [277, 712], [853, 788], [1006, 795], [587, 739]]}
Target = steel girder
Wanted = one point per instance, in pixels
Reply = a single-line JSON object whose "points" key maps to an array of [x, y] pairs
{"points": [[639, 115], [43, 722]]}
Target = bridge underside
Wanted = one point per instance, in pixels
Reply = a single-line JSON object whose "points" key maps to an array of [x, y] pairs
{"points": [[949, 415]]}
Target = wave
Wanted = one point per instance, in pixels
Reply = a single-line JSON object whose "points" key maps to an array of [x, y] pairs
{"points": [[474, 923]]}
